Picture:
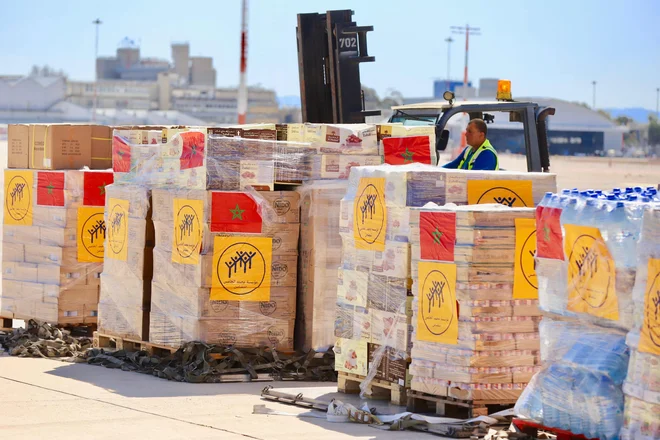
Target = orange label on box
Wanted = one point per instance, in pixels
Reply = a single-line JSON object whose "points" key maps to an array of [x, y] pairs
{"points": [[370, 214], [241, 268], [18, 198], [512, 193], [525, 285], [591, 273], [188, 232], [649, 339], [117, 229], [91, 234], [437, 316]]}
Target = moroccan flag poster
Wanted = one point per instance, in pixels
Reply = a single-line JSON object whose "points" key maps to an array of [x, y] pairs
{"points": [[403, 150], [94, 184], [50, 188], [121, 155], [192, 154], [437, 235], [549, 240], [234, 212]]}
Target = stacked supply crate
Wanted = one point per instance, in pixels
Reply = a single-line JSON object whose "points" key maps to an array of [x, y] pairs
{"points": [[641, 418], [475, 311], [374, 297], [53, 244], [225, 267], [586, 264], [125, 299]]}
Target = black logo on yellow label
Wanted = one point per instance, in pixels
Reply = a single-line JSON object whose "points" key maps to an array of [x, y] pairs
{"points": [[93, 235], [503, 196], [591, 271], [652, 306], [437, 305], [18, 200], [188, 233], [370, 214], [528, 261], [117, 233], [241, 268]]}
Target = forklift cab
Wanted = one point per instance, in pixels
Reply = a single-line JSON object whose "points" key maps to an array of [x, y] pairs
{"points": [[529, 114]]}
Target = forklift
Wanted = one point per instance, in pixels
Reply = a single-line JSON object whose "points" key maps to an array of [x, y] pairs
{"points": [[331, 47]]}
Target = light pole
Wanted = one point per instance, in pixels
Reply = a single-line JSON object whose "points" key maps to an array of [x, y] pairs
{"points": [[96, 23], [593, 106], [467, 30], [657, 103], [449, 40]]}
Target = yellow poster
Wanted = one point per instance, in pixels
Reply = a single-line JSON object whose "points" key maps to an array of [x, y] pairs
{"points": [[525, 285], [649, 339], [91, 234], [188, 232], [18, 197], [591, 273], [512, 193], [370, 214], [437, 315], [241, 268], [351, 356], [117, 229]]}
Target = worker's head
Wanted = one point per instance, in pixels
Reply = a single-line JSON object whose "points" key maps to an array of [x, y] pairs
{"points": [[476, 133]]}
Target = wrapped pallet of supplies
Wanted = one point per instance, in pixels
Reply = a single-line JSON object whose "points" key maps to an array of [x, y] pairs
{"points": [[374, 296], [225, 267], [53, 245], [125, 299], [320, 258], [475, 312], [586, 267], [641, 418]]}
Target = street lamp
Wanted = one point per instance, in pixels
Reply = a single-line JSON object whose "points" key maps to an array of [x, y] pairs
{"points": [[449, 40], [593, 106]]}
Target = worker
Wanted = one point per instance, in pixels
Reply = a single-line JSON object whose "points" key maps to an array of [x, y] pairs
{"points": [[479, 153]]}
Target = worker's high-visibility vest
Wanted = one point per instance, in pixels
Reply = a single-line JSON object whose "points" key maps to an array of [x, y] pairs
{"points": [[485, 146]]}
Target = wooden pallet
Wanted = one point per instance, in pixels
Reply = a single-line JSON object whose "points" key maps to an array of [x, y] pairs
{"points": [[349, 383], [103, 340], [452, 407]]}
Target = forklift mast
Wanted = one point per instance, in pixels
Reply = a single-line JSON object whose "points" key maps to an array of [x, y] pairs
{"points": [[330, 49]]}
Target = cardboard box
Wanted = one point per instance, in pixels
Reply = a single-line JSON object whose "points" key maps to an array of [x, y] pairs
{"points": [[13, 252], [18, 146], [20, 234], [284, 206], [37, 254], [58, 147], [101, 147], [78, 306], [19, 271]]}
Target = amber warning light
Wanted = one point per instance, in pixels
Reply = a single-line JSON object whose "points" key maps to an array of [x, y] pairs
{"points": [[504, 90]]}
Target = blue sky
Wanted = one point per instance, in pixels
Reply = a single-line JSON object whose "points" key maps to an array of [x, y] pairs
{"points": [[550, 48]]}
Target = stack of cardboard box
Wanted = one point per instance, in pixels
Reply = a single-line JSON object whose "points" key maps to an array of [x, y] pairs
{"points": [[125, 299], [225, 267], [476, 310]]}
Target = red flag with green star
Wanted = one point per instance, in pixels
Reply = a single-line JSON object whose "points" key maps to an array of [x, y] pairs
{"points": [[50, 188], [192, 153], [549, 239], [94, 183], [121, 155], [437, 235], [403, 150], [234, 212]]}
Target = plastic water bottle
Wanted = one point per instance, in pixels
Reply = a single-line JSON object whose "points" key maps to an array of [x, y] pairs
{"points": [[622, 237], [546, 199]]}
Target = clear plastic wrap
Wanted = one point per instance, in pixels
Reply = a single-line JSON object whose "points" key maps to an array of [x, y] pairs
{"points": [[225, 267], [125, 299], [475, 329], [320, 258], [53, 244]]}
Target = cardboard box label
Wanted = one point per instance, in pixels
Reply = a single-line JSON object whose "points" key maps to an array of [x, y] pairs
{"points": [[591, 273], [117, 229], [512, 193], [649, 338], [91, 234], [370, 214], [18, 197], [241, 268], [437, 317], [525, 284], [188, 224]]}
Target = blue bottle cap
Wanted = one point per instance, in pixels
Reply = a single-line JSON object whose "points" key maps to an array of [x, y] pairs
{"points": [[620, 204], [612, 197]]}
